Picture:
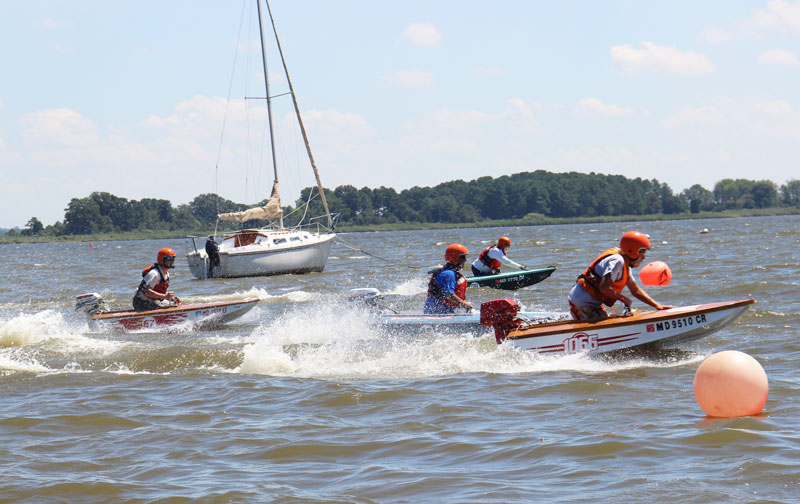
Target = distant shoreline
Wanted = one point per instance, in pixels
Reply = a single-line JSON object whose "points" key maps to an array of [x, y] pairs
{"points": [[531, 220]]}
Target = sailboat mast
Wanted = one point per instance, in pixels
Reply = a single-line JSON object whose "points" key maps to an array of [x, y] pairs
{"points": [[269, 99], [297, 113]]}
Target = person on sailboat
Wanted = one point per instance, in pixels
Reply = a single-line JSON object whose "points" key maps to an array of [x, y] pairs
{"points": [[490, 260], [212, 250], [155, 282], [447, 288], [605, 278]]}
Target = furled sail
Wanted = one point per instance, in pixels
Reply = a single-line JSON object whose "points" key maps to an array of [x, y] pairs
{"points": [[270, 211]]}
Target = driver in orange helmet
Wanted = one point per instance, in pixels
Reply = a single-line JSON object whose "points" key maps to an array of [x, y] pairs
{"points": [[447, 288], [155, 282], [490, 260], [603, 281]]}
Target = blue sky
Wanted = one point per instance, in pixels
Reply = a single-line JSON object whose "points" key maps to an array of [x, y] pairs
{"points": [[130, 97]]}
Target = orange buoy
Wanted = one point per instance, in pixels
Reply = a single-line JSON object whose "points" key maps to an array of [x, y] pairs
{"points": [[656, 273], [731, 384]]}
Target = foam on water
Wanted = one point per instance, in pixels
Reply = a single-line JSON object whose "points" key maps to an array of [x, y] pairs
{"points": [[28, 329], [28, 339], [410, 287], [340, 343]]}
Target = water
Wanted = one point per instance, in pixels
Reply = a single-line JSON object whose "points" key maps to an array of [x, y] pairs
{"points": [[302, 401]]}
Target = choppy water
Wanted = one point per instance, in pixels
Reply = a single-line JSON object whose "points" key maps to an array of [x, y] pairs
{"points": [[302, 401]]}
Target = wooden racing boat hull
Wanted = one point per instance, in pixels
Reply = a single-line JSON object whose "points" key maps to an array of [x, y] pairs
{"points": [[661, 327], [513, 280], [202, 314]]}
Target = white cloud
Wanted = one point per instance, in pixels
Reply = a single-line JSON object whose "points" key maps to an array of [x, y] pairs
{"points": [[776, 108], [715, 35], [596, 156], [778, 57], [520, 105], [49, 22], [489, 70], [659, 59], [690, 116], [60, 127], [2, 104], [423, 35], [61, 49], [780, 15], [410, 78], [595, 106]]}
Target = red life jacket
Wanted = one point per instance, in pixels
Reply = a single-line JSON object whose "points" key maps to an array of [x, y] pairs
{"points": [[160, 287], [589, 279], [494, 264], [436, 292]]}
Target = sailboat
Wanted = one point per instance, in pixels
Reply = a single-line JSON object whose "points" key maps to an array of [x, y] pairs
{"points": [[271, 250]]}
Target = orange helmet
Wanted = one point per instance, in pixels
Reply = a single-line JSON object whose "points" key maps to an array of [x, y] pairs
{"points": [[503, 242], [454, 253], [166, 255], [633, 241]]}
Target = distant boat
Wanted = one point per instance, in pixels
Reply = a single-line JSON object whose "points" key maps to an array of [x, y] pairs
{"points": [[270, 250], [512, 280]]}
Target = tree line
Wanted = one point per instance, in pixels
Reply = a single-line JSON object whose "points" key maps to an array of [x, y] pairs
{"points": [[527, 194]]}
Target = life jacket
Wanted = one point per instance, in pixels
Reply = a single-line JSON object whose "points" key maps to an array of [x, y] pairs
{"points": [[494, 264], [589, 279], [436, 292], [161, 287]]}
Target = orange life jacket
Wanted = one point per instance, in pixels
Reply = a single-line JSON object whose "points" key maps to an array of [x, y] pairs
{"points": [[494, 264], [160, 287], [436, 292], [589, 279]]}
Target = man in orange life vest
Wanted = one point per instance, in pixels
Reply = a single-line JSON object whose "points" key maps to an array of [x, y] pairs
{"points": [[155, 282], [602, 282], [490, 260], [447, 289]]}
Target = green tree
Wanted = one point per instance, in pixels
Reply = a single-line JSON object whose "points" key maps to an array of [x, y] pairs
{"points": [[700, 199], [790, 192], [764, 194], [206, 207], [34, 227], [82, 217]]}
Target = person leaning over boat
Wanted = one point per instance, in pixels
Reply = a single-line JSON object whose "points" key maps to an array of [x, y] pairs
{"points": [[603, 281], [155, 282], [490, 260], [212, 250], [447, 289]]}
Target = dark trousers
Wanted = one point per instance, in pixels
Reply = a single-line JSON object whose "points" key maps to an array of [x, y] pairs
{"points": [[140, 304]]}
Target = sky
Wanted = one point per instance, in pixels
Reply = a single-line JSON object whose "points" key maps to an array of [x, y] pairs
{"points": [[146, 99]]}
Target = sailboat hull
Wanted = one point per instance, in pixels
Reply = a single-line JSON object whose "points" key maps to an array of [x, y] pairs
{"points": [[278, 253]]}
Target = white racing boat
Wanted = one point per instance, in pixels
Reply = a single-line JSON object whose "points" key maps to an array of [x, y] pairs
{"points": [[418, 322], [199, 314], [663, 328]]}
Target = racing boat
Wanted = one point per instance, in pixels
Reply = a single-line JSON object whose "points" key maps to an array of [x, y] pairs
{"points": [[512, 280], [661, 328], [418, 322], [199, 314]]}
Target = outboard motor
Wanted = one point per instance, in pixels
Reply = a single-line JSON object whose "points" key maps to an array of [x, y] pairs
{"points": [[502, 315], [91, 304], [368, 295]]}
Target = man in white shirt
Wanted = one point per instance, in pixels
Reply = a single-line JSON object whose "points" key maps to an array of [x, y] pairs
{"points": [[490, 260]]}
